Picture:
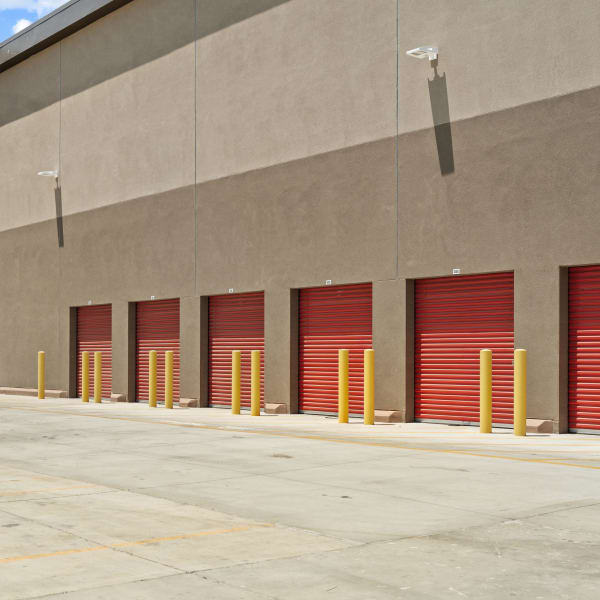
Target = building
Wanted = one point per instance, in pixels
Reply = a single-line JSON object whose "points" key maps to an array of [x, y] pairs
{"points": [[224, 168]]}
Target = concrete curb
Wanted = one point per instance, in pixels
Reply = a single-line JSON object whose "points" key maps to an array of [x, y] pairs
{"points": [[539, 426], [188, 402], [388, 416], [276, 409], [9, 391]]}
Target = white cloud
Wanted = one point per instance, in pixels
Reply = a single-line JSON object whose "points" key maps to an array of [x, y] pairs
{"points": [[39, 7], [20, 25]]}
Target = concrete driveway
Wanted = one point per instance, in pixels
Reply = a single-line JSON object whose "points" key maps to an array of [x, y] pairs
{"points": [[124, 501]]}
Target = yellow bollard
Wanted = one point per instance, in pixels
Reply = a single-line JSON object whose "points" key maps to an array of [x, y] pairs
{"points": [[41, 375], [520, 412], [343, 386], [85, 376], [152, 378], [236, 374], [369, 387], [255, 384], [98, 377], [169, 379], [485, 391]]}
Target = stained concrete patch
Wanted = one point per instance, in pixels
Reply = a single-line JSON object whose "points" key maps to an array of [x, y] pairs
{"points": [[152, 530], [26, 538], [251, 545], [339, 511], [577, 520], [512, 559], [159, 530], [129, 470], [122, 516], [17, 485], [440, 482], [37, 578]]}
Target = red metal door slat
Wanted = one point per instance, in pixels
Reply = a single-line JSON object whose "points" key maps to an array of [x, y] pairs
{"points": [[235, 322], [584, 349], [456, 317], [331, 318], [94, 334], [157, 328]]}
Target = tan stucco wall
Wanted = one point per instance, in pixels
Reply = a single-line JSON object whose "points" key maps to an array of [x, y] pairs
{"points": [[269, 82], [131, 132], [496, 54], [303, 78], [289, 171], [29, 140], [30, 314], [299, 224]]}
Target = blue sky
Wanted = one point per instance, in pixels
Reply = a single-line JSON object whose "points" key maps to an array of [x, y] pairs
{"points": [[17, 14]]}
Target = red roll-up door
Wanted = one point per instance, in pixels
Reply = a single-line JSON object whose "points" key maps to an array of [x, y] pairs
{"points": [[584, 349], [455, 318], [157, 328], [333, 318], [235, 322], [94, 334]]}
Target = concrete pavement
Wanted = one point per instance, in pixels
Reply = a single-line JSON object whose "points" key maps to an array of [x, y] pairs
{"points": [[120, 500]]}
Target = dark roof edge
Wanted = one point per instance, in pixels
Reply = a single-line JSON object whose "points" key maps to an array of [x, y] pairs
{"points": [[60, 23]]}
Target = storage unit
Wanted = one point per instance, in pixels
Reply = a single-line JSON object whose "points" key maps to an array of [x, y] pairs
{"points": [[455, 318], [584, 349], [94, 334], [235, 322], [157, 328], [331, 318]]}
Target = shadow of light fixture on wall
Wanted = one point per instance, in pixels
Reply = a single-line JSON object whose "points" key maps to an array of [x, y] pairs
{"points": [[440, 110], [58, 205]]}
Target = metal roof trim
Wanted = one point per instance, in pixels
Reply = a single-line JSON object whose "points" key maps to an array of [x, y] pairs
{"points": [[57, 25]]}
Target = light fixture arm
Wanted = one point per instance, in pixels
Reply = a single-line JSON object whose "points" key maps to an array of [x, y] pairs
{"points": [[49, 174], [430, 52]]}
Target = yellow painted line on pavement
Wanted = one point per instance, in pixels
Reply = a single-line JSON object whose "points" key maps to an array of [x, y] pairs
{"points": [[169, 538], [314, 437]]}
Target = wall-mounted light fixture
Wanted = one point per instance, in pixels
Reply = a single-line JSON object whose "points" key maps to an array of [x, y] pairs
{"points": [[431, 52], [49, 174]]}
